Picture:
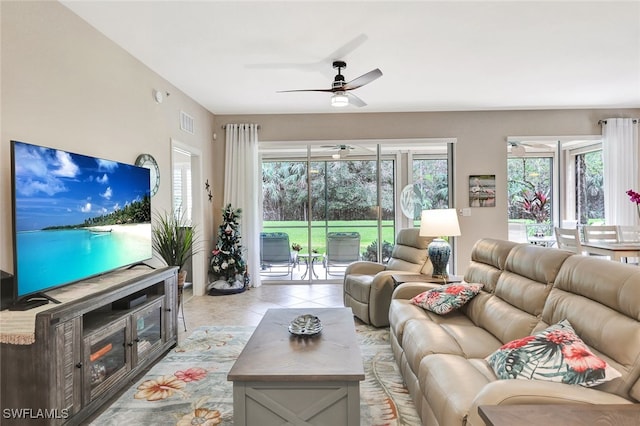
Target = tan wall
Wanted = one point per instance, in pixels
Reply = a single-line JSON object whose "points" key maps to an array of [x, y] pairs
{"points": [[66, 86], [480, 149]]}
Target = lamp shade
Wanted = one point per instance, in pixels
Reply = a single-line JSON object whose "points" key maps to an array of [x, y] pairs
{"points": [[439, 223]]}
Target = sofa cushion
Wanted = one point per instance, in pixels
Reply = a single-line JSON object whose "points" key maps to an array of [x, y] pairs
{"points": [[451, 383], [488, 259], [409, 252], [514, 309], [447, 298], [400, 314], [555, 354], [457, 336], [358, 286]]}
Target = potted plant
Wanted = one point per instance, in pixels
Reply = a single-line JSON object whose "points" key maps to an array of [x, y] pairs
{"points": [[173, 239]]}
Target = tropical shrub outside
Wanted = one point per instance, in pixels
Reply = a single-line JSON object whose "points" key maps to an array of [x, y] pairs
{"points": [[530, 187]]}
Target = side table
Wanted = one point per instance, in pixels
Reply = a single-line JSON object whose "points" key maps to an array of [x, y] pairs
{"points": [[407, 278], [563, 414], [310, 260]]}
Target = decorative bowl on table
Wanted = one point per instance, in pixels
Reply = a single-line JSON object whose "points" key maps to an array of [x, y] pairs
{"points": [[305, 325]]}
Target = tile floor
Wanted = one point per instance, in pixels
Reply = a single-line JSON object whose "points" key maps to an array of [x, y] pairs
{"points": [[245, 309], [248, 308]]}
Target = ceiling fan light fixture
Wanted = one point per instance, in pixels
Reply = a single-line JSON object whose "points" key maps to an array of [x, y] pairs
{"points": [[339, 99]]}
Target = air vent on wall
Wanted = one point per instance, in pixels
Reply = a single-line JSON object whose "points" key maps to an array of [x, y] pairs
{"points": [[186, 122]]}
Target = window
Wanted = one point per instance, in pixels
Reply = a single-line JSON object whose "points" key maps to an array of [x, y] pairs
{"points": [[556, 181], [530, 188], [182, 195], [589, 190]]}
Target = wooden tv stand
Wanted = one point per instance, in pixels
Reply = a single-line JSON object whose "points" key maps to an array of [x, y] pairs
{"points": [[107, 330]]}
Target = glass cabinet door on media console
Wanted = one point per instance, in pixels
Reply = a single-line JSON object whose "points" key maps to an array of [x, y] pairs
{"points": [[120, 346], [147, 331], [107, 358]]}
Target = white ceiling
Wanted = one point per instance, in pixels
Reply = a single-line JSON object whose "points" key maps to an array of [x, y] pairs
{"points": [[232, 56]]}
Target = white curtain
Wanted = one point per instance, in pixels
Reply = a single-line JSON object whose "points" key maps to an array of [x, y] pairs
{"points": [[620, 156], [241, 190]]}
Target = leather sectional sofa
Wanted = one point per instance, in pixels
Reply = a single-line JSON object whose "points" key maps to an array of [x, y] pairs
{"points": [[526, 289]]}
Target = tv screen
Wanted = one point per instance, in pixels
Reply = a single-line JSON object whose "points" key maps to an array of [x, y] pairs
{"points": [[75, 216]]}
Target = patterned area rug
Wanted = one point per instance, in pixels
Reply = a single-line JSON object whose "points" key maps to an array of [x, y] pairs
{"points": [[189, 386]]}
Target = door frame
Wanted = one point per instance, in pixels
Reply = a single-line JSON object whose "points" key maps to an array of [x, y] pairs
{"points": [[199, 263]]}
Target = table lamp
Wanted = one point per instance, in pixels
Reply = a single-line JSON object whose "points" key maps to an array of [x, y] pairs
{"points": [[439, 223]]}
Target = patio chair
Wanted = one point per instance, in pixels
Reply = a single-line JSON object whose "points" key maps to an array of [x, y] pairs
{"points": [[343, 248], [275, 252], [569, 239]]}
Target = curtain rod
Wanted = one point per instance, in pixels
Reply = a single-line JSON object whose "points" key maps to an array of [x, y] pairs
{"points": [[601, 122], [224, 127]]}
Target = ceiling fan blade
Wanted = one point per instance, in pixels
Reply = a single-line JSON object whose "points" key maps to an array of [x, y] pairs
{"points": [[355, 101], [305, 90], [363, 79], [348, 47]]}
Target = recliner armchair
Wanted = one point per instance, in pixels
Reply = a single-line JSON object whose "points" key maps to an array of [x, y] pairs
{"points": [[368, 285]]}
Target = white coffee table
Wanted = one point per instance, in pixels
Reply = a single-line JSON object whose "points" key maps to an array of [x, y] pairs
{"points": [[280, 378]]}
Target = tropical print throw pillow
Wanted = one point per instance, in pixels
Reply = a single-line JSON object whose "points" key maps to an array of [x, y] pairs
{"points": [[555, 354], [446, 298]]}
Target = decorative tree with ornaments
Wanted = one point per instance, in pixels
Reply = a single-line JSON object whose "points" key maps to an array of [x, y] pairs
{"points": [[227, 263]]}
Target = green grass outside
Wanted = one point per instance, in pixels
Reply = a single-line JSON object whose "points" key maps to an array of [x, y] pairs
{"points": [[298, 231]]}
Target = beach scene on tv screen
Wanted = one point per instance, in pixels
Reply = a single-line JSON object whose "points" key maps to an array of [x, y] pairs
{"points": [[76, 216]]}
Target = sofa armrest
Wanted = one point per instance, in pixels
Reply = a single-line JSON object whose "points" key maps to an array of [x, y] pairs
{"points": [[364, 267], [382, 288], [409, 290], [380, 298], [514, 392]]}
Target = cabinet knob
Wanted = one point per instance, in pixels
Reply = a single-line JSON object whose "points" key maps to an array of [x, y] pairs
{"points": [[79, 365], [168, 309], [130, 344]]}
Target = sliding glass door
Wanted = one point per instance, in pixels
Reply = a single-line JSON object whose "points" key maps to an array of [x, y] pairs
{"points": [[337, 203]]}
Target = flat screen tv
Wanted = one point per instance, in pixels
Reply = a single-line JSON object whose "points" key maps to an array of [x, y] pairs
{"points": [[74, 217]]}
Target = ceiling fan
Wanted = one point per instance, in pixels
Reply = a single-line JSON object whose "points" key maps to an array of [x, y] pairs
{"points": [[519, 149], [340, 151], [341, 90]]}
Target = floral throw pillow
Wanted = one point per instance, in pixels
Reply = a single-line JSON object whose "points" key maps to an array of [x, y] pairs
{"points": [[446, 298], [555, 354]]}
